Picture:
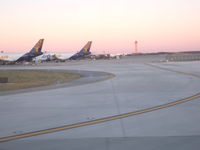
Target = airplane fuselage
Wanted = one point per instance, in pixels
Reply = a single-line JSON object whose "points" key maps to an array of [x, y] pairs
{"points": [[10, 56]]}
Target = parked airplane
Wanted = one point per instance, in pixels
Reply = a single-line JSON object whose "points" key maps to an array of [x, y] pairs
{"points": [[64, 56], [19, 57]]}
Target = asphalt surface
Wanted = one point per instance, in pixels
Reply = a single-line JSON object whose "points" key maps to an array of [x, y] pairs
{"points": [[135, 86]]}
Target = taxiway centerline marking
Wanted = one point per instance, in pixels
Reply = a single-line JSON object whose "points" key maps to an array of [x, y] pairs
{"points": [[4, 139]]}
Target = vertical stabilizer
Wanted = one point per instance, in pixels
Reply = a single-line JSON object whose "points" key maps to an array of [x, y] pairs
{"points": [[86, 48], [83, 52], [38, 47], [35, 51]]}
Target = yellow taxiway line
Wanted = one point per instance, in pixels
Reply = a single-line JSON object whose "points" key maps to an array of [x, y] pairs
{"points": [[101, 120], [171, 70]]}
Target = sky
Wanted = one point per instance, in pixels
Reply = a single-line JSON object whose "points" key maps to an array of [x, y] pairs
{"points": [[112, 25]]}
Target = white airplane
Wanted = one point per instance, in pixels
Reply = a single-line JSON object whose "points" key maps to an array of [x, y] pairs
{"points": [[19, 57], [64, 56]]}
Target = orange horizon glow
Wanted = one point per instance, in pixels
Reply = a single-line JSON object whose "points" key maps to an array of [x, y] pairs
{"points": [[112, 25]]}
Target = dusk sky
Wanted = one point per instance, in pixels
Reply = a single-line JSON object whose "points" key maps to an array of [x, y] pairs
{"points": [[112, 25]]}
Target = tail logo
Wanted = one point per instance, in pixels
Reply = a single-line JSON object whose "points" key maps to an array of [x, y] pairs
{"points": [[36, 49], [86, 49]]}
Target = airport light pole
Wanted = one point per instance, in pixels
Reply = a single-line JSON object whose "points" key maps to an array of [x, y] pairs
{"points": [[136, 47]]}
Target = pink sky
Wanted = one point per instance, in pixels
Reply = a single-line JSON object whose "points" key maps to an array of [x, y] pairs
{"points": [[112, 25]]}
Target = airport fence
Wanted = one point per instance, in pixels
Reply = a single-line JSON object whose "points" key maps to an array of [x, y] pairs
{"points": [[183, 57]]}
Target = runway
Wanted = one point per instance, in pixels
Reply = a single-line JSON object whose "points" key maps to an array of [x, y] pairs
{"points": [[137, 88]]}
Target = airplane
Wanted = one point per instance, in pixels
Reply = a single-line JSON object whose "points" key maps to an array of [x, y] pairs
{"points": [[45, 57], [85, 51], [20, 57]]}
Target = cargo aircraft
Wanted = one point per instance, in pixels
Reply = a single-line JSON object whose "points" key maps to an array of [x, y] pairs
{"points": [[85, 51], [7, 58]]}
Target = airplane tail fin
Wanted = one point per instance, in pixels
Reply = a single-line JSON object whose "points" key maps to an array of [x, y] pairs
{"points": [[83, 52], [38, 47], [87, 47], [34, 52]]}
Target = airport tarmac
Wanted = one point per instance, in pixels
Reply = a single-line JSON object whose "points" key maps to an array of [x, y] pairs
{"points": [[140, 83]]}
